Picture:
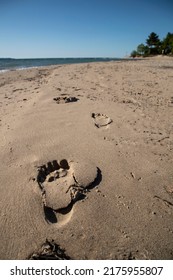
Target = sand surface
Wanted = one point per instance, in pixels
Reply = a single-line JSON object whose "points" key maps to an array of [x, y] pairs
{"points": [[86, 160]]}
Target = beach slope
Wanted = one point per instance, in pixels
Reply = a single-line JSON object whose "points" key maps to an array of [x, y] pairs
{"points": [[86, 160]]}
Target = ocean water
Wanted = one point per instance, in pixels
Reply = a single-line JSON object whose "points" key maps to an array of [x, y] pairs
{"points": [[12, 64]]}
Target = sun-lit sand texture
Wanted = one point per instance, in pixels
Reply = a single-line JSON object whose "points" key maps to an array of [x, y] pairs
{"points": [[86, 169]]}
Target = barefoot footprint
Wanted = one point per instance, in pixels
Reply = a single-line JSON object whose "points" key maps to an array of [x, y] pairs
{"points": [[101, 119], [63, 183]]}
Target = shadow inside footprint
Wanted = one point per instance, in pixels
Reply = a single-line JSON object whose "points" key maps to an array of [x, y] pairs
{"points": [[50, 215], [65, 99], [101, 119], [62, 185], [97, 180]]}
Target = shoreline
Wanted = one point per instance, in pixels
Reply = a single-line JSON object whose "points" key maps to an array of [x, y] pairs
{"points": [[102, 60], [26, 63], [86, 160]]}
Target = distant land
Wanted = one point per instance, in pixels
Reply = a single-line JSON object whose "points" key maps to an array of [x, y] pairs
{"points": [[155, 46]]}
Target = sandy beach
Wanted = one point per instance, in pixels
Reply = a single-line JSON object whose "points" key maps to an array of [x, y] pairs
{"points": [[86, 160]]}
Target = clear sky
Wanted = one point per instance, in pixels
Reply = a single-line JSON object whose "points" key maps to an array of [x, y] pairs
{"points": [[80, 28]]}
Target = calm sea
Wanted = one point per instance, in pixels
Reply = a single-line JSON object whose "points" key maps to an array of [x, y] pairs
{"points": [[11, 64]]}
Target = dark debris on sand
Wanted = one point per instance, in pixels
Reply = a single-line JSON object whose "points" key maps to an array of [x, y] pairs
{"points": [[50, 251]]}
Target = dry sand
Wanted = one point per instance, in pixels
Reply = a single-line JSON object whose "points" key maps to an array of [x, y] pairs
{"points": [[86, 160]]}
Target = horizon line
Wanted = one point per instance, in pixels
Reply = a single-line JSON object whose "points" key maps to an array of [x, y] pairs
{"points": [[67, 57]]}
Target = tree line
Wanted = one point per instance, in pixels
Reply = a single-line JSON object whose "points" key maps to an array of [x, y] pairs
{"points": [[155, 46]]}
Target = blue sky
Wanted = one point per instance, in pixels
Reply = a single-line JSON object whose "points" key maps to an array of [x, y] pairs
{"points": [[80, 28]]}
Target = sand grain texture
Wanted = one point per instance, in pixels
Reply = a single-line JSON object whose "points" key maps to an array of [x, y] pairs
{"points": [[101, 134]]}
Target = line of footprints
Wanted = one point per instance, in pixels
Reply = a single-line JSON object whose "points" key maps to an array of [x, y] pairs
{"points": [[63, 183], [100, 120]]}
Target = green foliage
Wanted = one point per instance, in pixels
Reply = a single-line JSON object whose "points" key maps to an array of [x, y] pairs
{"points": [[133, 54], [141, 49], [153, 40], [155, 46], [154, 43], [167, 44]]}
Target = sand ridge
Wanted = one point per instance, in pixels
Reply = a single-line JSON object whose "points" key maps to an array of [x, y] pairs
{"points": [[86, 161]]}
